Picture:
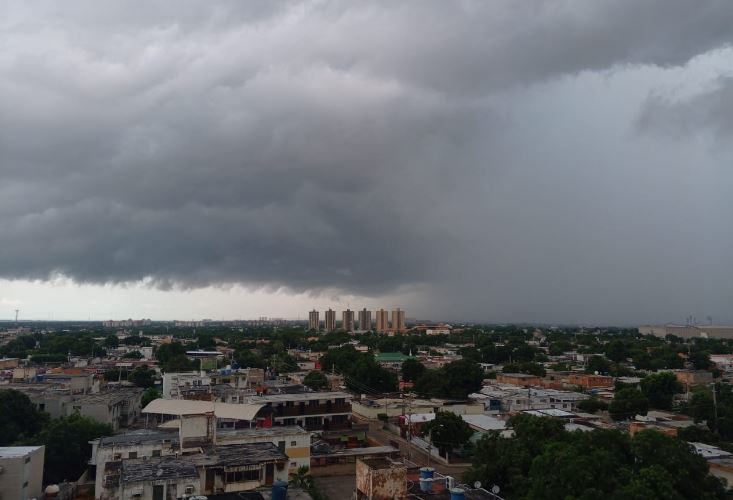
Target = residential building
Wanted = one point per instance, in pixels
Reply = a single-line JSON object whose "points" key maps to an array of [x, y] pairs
{"points": [[590, 381], [111, 452], [365, 320], [382, 321], [398, 321], [521, 379], [310, 410], [347, 320], [175, 382], [21, 472], [688, 331], [314, 320], [330, 324]]}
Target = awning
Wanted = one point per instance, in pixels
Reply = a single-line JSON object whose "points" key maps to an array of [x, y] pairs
{"points": [[179, 407]]}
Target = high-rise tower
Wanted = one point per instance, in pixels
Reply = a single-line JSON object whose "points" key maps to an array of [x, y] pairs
{"points": [[382, 321], [398, 320], [365, 320], [314, 320], [347, 320], [330, 320]]}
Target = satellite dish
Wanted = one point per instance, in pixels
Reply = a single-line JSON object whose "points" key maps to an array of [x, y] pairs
{"points": [[477, 484], [495, 490]]}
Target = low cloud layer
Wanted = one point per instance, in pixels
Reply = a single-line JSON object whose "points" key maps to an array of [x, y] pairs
{"points": [[547, 160]]}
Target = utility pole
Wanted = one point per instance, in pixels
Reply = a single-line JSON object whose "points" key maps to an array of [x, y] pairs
{"points": [[16, 316]]}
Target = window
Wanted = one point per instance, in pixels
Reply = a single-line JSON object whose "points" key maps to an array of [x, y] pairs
{"points": [[293, 464], [293, 443], [42, 406], [243, 475], [27, 460], [281, 446], [117, 456], [25, 485], [156, 453], [189, 490], [132, 454]]}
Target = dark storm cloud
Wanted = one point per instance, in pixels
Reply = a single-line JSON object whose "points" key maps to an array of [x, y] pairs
{"points": [[324, 145]]}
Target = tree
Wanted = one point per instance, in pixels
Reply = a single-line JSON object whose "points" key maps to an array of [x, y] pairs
{"points": [[67, 446], [150, 394], [111, 341], [617, 351], [628, 403], [660, 389], [142, 376], [412, 369], [529, 368], [247, 358], [598, 364], [132, 355], [455, 380], [447, 431], [19, 417], [592, 405], [700, 360], [316, 380]]}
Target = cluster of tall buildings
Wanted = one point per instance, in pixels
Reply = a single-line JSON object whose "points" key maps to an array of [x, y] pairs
{"points": [[383, 323]]}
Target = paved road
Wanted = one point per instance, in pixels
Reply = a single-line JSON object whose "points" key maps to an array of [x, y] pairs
{"points": [[417, 455]]}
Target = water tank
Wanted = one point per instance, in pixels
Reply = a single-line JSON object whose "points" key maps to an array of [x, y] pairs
{"points": [[457, 494], [449, 482], [427, 472], [426, 484], [279, 490]]}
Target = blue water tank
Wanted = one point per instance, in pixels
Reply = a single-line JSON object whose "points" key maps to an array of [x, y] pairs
{"points": [[426, 484], [427, 472], [280, 490], [457, 494]]}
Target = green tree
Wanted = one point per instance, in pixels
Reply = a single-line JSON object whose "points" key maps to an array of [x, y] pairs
{"points": [[528, 368], [412, 369], [150, 394], [592, 405], [248, 359], [447, 431], [598, 364], [142, 376], [316, 380], [19, 418], [700, 360], [111, 341], [67, 446], [660, 388], [617, 351], [628, 403], [132, 355]]}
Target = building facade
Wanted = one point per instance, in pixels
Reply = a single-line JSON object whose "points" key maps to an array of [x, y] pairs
{"points": [[398, 320], [365, 320], [21, 472], [314, 320], [347, 320], [330, 324], [382, 321]]}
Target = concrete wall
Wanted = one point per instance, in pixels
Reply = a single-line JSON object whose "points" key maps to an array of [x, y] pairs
{"points": [[22, 476]]}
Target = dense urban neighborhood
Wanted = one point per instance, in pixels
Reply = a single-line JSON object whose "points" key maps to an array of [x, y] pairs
{"points": [[143, 409]]}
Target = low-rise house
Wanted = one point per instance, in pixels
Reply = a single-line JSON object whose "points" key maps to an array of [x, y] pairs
{"points": [[520, 379], [590, 381]]}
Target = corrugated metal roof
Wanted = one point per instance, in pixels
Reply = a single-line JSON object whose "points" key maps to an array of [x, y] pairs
{"points": [[180, 407]]}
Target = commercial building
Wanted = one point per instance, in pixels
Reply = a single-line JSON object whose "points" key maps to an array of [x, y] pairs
{"points": [[313, 411], [398, 321], [347, 320], [314, 320], [365, 320], [330, 324], [382, 321], [21, 472], [688, 331]]}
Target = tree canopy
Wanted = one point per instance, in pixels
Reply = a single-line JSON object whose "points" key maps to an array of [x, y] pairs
{"points": [[660, 388], [627, 403], [454, 380], [447, 431], [19, 417], [316, 380], [543, 461]]}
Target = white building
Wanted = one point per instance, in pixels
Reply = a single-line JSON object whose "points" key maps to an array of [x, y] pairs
{"points": [[21, 472]]}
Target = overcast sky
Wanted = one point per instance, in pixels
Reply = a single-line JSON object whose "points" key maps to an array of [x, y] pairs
{"points": [[547, 161]]}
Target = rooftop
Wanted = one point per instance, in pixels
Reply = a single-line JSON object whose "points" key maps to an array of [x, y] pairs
{"points": [[237, 455], [17, 451], [151, 469]]}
